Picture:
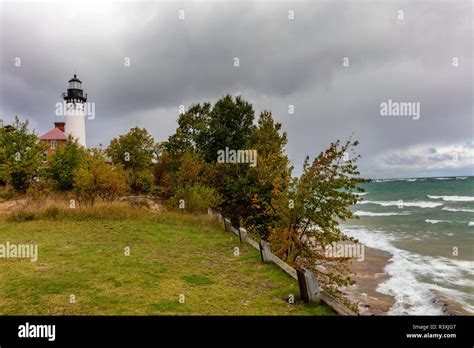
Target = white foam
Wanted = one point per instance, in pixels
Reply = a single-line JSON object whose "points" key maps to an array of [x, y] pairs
{"points": [[471, 223], [369, 213], [436, 221], [387, 180], [410, 180], [461, 177], [420, 204], [359, 193], [453, 198], [412, 296], [459, 209], [443, 178]]}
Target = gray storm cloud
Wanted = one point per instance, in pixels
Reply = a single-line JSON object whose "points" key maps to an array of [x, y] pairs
{"points": [[282, 62]]}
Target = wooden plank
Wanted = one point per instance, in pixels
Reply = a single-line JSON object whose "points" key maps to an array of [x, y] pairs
{"points": [[284, 266], [234, 231], [338, 307], [253, 243]]}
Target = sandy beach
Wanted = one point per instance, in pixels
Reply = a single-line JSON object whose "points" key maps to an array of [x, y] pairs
{"points": [[368, 274]]}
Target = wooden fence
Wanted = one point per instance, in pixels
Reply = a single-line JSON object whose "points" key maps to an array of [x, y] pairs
{"points": [[308, 284]]}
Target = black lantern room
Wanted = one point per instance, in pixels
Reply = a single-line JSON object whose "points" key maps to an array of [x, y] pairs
{"points": [[74, 93]]}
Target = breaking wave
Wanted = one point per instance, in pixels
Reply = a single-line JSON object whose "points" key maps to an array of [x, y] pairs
{"points": [[369, 213], [420, 204], [453, 198]]}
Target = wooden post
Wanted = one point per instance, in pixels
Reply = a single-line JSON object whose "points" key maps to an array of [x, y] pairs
{"points": [[242, 234], [234, 230], [265, 252], [309, 286], [227, 224]]}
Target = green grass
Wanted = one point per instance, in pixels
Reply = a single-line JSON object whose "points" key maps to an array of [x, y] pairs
{"points": [[171, 255]]}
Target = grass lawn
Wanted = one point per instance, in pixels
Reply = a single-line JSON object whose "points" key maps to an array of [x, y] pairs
{"points": [[170, 255]]}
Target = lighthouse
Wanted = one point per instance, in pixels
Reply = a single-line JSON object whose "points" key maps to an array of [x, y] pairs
{"points": [[75, 119]]}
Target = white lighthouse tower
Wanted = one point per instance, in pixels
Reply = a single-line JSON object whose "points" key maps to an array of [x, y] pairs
{"points": [[75, 120]]}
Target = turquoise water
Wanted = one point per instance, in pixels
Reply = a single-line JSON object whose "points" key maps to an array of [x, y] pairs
{"points": [[427, 224]]}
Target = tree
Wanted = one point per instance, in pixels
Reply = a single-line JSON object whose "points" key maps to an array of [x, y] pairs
{"points": [[191, 171], [312, 209], [21, 155], [84, 183], [63, 163], [191, 132], [271, 176], [97, 178], [163, 173], [204, 130], [230, 124], [135, 152]]}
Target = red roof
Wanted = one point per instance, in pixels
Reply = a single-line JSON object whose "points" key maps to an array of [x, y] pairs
{"points": [[54, 134]]}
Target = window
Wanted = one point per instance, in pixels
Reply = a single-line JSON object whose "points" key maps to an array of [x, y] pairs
{"points": [[53, 144], [75, 84]]}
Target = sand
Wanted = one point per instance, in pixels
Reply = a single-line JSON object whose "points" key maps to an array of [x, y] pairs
{"points": [[368, 275]]}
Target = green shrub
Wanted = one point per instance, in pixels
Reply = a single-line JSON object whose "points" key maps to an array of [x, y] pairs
{"points": [[110, 180], [141, 181], [62, 164], [22, 216], [95, 177], [196, 198], [51, 213], [41, 188], [7, 194], [155, 190], [84, 185], [21, 155]]}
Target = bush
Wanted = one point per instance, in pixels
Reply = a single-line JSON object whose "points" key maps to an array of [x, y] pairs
{"points": [[196, 198], [63, 162], [51, 213], [141, 182], [155, 190], [22, 216], [84, 185], [110, 180], [21, 155], [7, 194], [96, 178], [40, 189]]}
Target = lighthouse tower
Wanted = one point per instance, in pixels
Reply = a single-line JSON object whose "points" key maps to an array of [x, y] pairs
{"points": [[75, 120]]}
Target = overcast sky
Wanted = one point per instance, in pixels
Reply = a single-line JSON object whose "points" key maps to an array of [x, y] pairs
{"points": [[283, 62]]}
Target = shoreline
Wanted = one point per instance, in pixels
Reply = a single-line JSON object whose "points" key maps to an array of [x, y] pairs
{"points": [[368, 274]]}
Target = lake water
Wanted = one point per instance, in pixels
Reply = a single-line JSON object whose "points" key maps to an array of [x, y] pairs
{"points": [[422, 222]]}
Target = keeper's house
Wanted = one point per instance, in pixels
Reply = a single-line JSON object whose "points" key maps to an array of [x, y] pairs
{"points": [[55, 137]]}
